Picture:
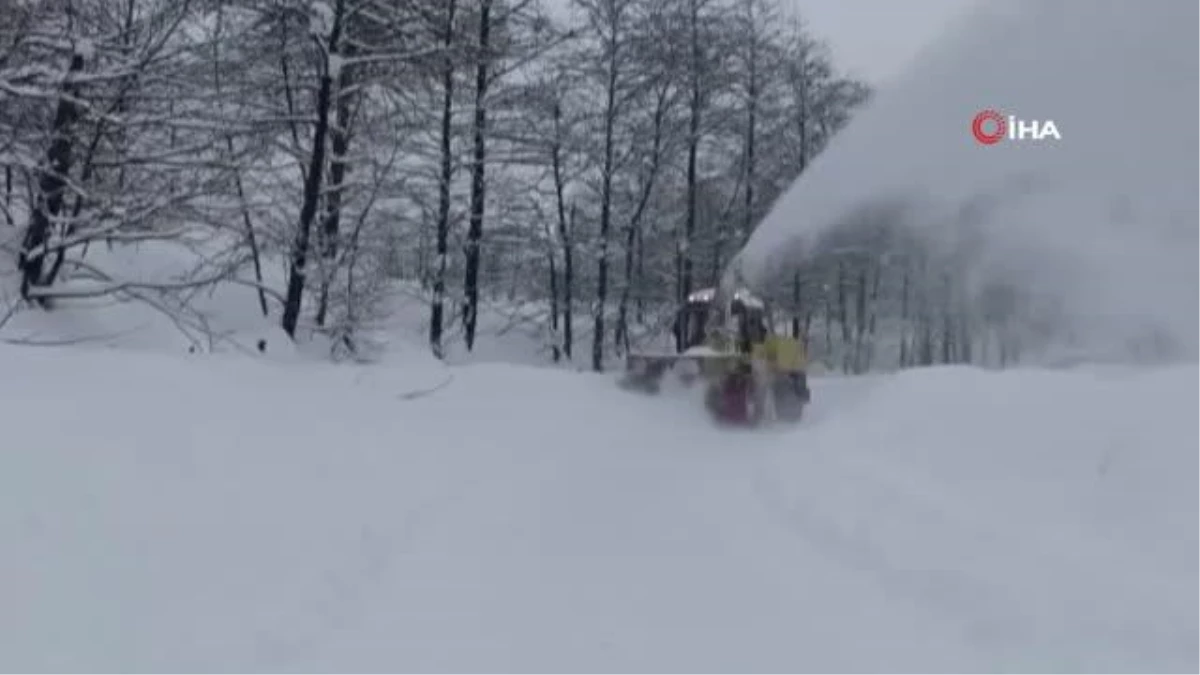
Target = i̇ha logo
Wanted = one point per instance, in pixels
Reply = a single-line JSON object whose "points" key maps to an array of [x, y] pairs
{"points": [[990, 127]]}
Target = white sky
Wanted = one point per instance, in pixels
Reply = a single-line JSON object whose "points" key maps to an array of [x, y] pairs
{"points": [[875, 39], [872, 39]]}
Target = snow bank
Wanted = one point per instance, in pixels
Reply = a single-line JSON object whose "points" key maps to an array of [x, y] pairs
{"points": [[507, 331], [221, 317], [1103, 220], [165, 513]]}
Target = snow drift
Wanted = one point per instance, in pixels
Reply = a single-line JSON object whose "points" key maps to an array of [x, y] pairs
{"points": [[1103, 221], [163, 513]]}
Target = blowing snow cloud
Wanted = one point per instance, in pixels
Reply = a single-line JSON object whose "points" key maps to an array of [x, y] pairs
{"points": [[1058, 138]]}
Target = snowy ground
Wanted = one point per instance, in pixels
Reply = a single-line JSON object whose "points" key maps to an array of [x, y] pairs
{"points": [[167, 511], [161, 512]]}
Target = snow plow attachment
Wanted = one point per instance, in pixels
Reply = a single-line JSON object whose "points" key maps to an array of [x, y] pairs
{"points": [[644, 372], [647, 372]]}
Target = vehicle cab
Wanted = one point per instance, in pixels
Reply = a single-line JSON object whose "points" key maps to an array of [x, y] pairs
{"points": [[750, 313]]}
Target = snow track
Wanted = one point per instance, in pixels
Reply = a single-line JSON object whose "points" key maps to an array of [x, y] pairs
{"points": [[974, 523], [232, 515]]}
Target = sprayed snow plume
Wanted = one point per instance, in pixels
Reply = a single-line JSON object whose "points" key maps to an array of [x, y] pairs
{"points": [[1096, 224]]}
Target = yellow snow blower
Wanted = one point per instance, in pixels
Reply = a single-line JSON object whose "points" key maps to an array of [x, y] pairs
{"points": [[726, 343]]}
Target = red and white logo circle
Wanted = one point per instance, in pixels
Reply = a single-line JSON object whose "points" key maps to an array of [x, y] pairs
{"points": [[989, 127]]}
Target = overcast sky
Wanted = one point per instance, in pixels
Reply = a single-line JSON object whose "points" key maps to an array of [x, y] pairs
{"points": [[872, 39], [875, 39]]}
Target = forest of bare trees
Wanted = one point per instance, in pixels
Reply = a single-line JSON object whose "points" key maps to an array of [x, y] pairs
{"points": [[584, 165]]}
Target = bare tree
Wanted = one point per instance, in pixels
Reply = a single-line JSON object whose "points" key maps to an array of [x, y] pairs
{"points": [[612, 23], [330, 154], [483, 58], [447, 175], [298, 269]]}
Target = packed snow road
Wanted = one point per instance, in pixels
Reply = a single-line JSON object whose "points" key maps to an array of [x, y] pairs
{"points": [[161, 514]]}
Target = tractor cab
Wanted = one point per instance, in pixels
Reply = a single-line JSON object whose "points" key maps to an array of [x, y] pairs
{"points": [[692, 324]]}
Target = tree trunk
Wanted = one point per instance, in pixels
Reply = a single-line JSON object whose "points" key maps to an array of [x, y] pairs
{"points": [[860, 319], [568, 228], [437, 311], [948, 342], [610, 113], [52, 184], [843, 314], [796, 305], [828, 327], [238, 183], [475, 230], [873, 303], [751, 127], [685, 246], [8, 195], [564, 232], [640, 276], [330, 229], [555, 345], [312, 188], [802, 130], [634, 228], [904, 317]]}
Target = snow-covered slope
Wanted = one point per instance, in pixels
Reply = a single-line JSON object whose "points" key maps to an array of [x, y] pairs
{"points": [[164, 512], [1102, 219]]}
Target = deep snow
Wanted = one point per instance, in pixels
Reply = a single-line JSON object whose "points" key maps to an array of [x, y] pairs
{"points": [[1103, 220], [161, 511], [209, 513]]}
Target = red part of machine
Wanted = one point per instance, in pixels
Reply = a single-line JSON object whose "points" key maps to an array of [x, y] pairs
{"points": [[732, 400]]}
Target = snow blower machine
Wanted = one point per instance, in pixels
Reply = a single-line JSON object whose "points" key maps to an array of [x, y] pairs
{"points": [[726, 343]]}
